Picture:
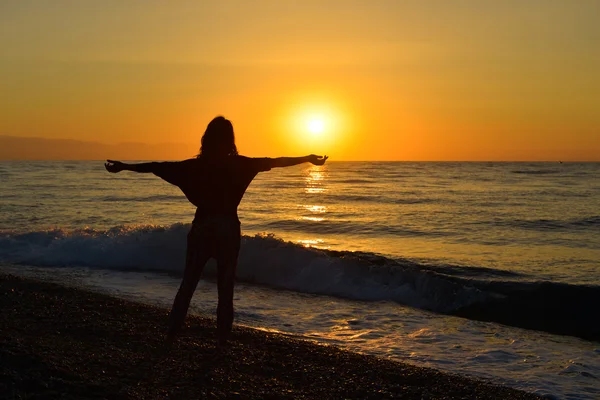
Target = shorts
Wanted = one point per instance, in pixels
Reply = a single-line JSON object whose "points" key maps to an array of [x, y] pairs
{"points": [[214, 236]]}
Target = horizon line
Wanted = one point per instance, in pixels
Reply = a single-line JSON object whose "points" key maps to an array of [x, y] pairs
{"points": [[329, 161]]}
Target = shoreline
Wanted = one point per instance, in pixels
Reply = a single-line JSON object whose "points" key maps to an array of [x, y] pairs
{"points": [[63, 342]]}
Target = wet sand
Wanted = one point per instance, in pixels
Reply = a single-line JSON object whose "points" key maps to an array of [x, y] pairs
{"points": [[67, 343]]}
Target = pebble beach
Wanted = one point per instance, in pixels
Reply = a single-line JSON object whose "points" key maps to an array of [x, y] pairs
{"points": [[68, 343]]}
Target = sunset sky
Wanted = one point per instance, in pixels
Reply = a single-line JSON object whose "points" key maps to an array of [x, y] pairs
{"points": [[358, 80]]}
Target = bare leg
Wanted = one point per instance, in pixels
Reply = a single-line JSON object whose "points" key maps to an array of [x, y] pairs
{"points": [[227, 257], [225, 284], [196, 257]]}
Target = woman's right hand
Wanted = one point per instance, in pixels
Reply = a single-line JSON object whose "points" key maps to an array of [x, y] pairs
{"points": [[317, 160], [114, 166]]}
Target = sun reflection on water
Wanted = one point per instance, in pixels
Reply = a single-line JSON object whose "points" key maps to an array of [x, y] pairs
{"points": [[312, 243], [315, 209], [312, 212], [315, 180], [314, 219]]}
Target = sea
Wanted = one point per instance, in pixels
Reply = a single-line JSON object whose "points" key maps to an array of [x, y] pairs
{"points": [[485, 269]]}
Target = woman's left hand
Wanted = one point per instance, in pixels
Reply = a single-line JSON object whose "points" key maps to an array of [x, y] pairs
{"points": [[114, 166], [317, 160]]}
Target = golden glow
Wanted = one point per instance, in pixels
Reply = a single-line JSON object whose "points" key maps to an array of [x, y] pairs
{"points": [[315, 180], [316, 209], [315, 125], [313, 219], [318, 243], [376, 85]]}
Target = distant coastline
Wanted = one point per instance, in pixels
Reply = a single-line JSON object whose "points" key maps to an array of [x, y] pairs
{"points": [[36, 148]]}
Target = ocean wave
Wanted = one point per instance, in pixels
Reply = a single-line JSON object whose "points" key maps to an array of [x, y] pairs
{"points": [[141, 198], [551, 195], [264, 259], [367, 198], [588, 222], [476, 272], [536, 171], [355, 180], [379, 199], [559, 308], [348, 226]]}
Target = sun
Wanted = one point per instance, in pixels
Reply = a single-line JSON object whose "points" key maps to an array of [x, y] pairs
{"points": [[315, 125]]}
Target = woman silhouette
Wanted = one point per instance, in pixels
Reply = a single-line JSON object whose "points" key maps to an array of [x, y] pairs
{"points": [[215, 182]]}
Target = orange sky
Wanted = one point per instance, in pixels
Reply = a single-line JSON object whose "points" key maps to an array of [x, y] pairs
{"points": [[389, 80]]}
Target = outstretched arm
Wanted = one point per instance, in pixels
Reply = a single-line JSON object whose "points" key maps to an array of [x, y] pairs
{"points": [[118, 166], [289, 161]]}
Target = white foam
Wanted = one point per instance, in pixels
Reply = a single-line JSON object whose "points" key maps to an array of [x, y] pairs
{"points": [[263, 259]]}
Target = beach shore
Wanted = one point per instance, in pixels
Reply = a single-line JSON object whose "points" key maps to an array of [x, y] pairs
{"points": [[68, 343]]}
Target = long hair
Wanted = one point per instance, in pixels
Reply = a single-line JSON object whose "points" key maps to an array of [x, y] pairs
{"points": [[218, 139]]}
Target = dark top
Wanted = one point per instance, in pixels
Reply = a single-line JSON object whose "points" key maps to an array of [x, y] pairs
{"points": [[214, 186]]}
